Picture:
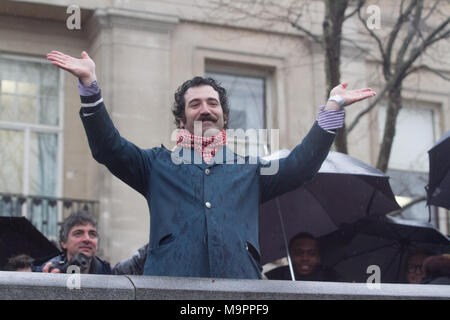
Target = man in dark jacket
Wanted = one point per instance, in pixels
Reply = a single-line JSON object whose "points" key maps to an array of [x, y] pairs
{"points": [[203, 198], [305, 255], [78, 234], [134, 265]]}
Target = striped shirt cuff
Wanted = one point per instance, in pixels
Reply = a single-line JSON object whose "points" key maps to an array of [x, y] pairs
{"points": [[330, 119], [91, 104]]}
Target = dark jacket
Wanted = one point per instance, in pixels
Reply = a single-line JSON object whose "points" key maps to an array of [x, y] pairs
{"points": [[437, 270], [204, 217], [321, 274], [97, 266], [134, 265]]}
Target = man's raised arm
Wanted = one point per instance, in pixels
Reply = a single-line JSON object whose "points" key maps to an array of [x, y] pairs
{"points": [[125, 160], [306, 159]]}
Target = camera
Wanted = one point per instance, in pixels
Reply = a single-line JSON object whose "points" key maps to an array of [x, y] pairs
{"points": [[80, 260]]}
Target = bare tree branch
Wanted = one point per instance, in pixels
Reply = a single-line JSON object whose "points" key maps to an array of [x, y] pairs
{"points": [[400, 49], [432, 10], [430, 40], [316, 38], [356, 45], [361, 3], [401, 70], [426, 68], [396, 29], [413, 30], [389, 85]]}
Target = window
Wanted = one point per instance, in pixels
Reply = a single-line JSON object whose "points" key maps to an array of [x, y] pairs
{"points": [[247, 90], [408, 163], [246, 99], [30, 131]]}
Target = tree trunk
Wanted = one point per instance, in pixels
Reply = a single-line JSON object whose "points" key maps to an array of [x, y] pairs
{"points": [[332, 31], [393, 108]]}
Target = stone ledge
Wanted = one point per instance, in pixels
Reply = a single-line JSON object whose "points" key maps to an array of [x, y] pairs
{"points": [[44, 286], [196, 288], [17, 285]]}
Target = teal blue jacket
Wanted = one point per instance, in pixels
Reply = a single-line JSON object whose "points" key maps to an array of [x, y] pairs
{"points": [[204, 217]]}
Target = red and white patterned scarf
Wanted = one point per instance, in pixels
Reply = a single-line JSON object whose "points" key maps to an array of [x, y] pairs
{"points": [[206, 146]]}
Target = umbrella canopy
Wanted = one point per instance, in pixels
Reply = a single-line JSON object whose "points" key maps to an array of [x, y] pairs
{"points": [[438, 189], [384, 242], [19, 236], [344, 190]]}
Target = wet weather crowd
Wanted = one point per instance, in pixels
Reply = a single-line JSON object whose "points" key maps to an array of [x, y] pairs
{"points": [[204, 198], [79, 245]]}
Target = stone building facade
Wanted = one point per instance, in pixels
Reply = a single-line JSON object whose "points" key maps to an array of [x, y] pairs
{"points": [[143, 51]]}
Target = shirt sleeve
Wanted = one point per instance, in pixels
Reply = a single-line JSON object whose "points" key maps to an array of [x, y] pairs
{"points": [[330, 119], [88, 90], [91, 98]]}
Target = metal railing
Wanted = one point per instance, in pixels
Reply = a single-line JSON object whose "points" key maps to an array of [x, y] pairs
{"points": [[45, 213]]}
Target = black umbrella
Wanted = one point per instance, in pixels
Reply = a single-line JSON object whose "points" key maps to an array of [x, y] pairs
{"points": [[384, 242], [438, 189], [344, 190], [19, 236]]}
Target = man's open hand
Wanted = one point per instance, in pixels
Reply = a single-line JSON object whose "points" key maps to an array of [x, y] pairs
{"points": [[83, 68], [350, 96]]}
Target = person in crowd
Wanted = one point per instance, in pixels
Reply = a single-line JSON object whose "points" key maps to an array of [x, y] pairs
{"points": [[79, 234], [203, 198], [21, 262], [79, 239], [306, 261], [414, 272]]}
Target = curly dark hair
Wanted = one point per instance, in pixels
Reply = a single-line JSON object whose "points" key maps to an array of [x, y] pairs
{"points": [[179, 104]]}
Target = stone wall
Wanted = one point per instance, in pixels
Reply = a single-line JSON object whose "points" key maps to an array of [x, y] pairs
{"points": [[18, 285]]}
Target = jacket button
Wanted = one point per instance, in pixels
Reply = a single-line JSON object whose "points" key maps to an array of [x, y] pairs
{"points": [[208, 205], [207, 172]]}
